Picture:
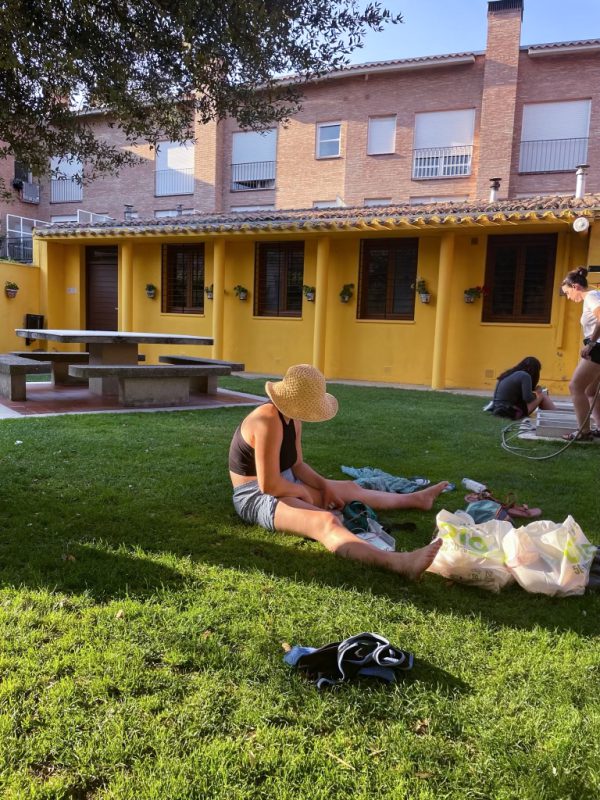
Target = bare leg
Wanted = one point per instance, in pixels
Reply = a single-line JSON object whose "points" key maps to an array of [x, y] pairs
{"points": [[541, 401], [387, 501], [586, 375], [295, 516]]}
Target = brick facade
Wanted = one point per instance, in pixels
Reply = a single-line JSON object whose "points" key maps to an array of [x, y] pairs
{"points": [[497, 85]]}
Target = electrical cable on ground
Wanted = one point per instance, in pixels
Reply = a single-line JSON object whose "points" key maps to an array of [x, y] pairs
{"points": [[512, 430]]}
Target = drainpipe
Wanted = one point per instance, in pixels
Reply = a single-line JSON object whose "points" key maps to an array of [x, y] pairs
{"points": [[494, 187], [218, 298], [580, 176]]}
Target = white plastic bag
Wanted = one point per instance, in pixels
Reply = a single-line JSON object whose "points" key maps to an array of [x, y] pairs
{"points": [[472, 553], [549, 557]]}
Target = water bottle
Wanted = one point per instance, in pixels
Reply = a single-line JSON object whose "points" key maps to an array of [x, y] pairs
{"points": [[473, 486]]}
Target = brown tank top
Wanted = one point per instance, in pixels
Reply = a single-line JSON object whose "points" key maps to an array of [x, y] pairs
{"points": [[242, 459]]}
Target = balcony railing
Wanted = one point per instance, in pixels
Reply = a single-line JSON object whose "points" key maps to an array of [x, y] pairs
{"points": [[17, 248], [174, 181], [65, 190], [552, 155], [30, 192], [252, 175], [442, 162]]}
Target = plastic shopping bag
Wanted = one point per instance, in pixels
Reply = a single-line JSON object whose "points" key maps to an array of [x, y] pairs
{"points": [[472, 553], [549, 557]]}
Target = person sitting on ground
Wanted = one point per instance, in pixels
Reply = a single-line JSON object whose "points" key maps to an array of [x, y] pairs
{"points": [[275, 488], [517, 392]]}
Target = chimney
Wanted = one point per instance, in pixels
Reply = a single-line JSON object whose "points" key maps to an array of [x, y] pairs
{"points": [[580, 175], [179, 209], [494, 186], [499, 94]]}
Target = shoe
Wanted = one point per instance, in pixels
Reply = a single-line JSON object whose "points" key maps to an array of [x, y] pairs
{"points": [[578, 436]]}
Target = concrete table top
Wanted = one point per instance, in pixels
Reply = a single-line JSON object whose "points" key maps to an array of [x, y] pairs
{"points": [[111, 337]]}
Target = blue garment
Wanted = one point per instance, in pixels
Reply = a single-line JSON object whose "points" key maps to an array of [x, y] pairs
{"points": [[372, 478]]}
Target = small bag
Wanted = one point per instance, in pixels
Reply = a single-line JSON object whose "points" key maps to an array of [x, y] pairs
{"points": [[362, 521]]}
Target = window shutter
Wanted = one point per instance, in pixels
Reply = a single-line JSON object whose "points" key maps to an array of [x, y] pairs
{"points": [[382, 135], [250, 146], [566, 120], [387, 275], [444, 128], [278, 277]]}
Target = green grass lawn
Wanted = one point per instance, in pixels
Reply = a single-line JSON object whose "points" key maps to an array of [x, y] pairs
{"points": [[141, 622]]}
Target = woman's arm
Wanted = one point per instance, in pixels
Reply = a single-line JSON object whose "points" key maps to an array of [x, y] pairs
{"points": [[527, 393], [305, 473], [268, 436]]}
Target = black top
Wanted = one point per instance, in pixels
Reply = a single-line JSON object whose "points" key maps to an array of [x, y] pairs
{"points": [[241, 455], [515, 390]]}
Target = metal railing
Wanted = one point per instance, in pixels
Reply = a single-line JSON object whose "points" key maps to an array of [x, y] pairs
{"points": [[252, 175], [17, 248], [442, 162], [552, 155], [173, 181], [65, 190]]}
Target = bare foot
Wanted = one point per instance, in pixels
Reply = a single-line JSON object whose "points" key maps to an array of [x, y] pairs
{"points": [[426, 497], [414, 564]]}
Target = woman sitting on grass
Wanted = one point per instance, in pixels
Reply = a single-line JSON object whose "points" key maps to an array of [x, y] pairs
{"points": [[275, 488], [517, 392]]}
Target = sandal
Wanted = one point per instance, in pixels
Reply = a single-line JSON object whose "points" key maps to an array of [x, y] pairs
{"points": [[512, 508], [578, 436]]}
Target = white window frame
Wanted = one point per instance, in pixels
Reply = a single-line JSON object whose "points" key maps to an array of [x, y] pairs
{"points": [[377, 201], [554, 136], [443, 152], [172, 178], [320, 141], [389, 146], [264, 207]]}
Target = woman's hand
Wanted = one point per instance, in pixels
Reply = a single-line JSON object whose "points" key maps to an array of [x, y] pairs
{"points": [[331, 498], [587, 349]]}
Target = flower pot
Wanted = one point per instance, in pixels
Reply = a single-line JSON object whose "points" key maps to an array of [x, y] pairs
{"points": [[424, 297], [344, 298], [209, 295], [469, 298], [11, 292], [151, 293], [243, 295], [310, 296]]}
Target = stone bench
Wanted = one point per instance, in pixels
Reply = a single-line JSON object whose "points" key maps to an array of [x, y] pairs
{"points": [[153, 385], [234, 366], [13, 375], [60, 362]]}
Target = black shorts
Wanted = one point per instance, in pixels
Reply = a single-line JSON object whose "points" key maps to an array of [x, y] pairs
{"points": [[594, 352]]}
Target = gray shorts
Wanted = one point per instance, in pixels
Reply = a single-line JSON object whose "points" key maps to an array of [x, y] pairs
{"points": [[255, 507]]}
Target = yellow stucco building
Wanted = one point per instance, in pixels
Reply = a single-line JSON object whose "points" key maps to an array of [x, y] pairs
{"points": [[95, 276]]}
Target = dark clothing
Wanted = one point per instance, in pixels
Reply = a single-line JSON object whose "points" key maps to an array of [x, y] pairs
{"points": [[241, 455], [512, 395]]}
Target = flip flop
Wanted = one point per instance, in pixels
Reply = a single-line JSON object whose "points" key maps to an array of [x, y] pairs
{"points": [[523, 511]]}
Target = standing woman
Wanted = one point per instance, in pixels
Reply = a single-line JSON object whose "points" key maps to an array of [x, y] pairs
{"points": [[274, 487], [586, 378]]}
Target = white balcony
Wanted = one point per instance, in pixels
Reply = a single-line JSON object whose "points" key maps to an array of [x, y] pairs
{"points": [[553, 155], [65, 190], [252, 175], [173, 181], [442, 162]]}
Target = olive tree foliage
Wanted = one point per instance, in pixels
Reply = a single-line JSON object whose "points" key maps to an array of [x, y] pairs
{"points": [[151, 66]]}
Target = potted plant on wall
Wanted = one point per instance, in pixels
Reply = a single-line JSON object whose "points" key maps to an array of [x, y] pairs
{"points": [[346, 292], [151, 290], [11, 289], [241, 292], [474, 293], [209, 291], [309, 293], [423, 291]]}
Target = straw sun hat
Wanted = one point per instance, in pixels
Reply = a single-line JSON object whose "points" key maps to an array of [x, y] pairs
{"points": [[301, 395]]}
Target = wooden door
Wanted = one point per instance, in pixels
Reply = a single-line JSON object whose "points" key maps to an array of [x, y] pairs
{"points": [[102, 292]]}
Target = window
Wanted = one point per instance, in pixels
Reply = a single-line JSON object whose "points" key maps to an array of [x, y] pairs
{"points": [[328, 139], [278, 277], [554, 137], [253, 160], [382, 135], [443, 144], [64, 218], [324, 204], [173, 212], [378, 201], [22, 172], [387, 274], [236, 209], [174, 168], [183, 278], [442, 198], [519, 277], [65, 185]]}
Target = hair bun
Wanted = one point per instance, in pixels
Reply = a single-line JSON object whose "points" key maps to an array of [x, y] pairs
{"points": [[582, 271]]}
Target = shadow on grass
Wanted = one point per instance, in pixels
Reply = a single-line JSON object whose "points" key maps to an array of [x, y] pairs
{"points": [[145, 559]]}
